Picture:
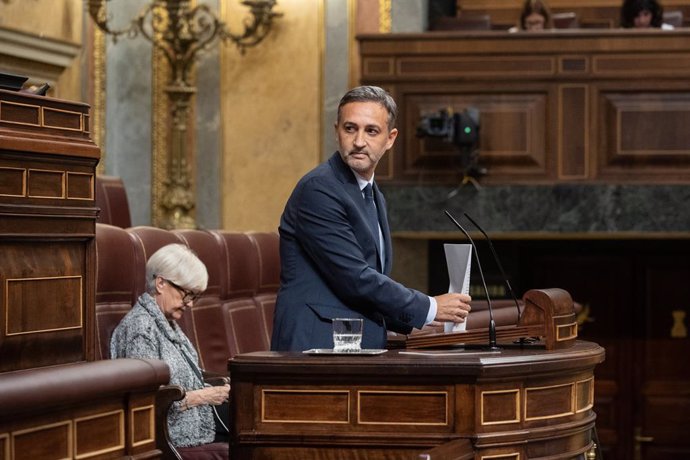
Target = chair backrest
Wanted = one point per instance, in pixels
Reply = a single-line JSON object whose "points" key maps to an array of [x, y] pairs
{"points": [[119, 282], [148, 240], [238, 292], [204, 323], [111, 198], [566, 20], [268, 250]]}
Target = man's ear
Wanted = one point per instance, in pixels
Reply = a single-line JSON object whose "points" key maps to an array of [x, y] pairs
{"points": [[392, 135]]}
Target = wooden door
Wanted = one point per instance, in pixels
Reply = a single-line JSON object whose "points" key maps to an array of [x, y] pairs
{"points": [[662, 364], [599, 279]]}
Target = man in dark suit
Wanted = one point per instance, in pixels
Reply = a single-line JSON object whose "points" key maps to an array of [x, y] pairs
{"points": [[334, 260]]}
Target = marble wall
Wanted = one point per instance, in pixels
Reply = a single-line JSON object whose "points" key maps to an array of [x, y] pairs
{"points": [[565, 208]]}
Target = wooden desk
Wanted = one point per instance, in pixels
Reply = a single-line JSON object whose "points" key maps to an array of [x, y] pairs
{"points": [[516, 403], [569, 105], [47, 229]]}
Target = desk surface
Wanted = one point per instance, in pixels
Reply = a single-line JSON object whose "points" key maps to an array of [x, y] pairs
{"points": [[450, 361]]}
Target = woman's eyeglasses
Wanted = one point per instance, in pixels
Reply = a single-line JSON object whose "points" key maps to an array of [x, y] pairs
{"points": [[187, 295]]}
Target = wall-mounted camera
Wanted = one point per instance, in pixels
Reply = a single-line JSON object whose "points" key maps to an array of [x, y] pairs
{"points": [[460, 129]]}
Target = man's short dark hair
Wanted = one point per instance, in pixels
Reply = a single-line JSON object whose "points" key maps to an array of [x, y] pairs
{"points": [[371, 94]]}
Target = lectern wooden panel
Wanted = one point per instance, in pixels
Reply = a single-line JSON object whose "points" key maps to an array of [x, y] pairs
{"points": [[514, 403], [47, 228]]}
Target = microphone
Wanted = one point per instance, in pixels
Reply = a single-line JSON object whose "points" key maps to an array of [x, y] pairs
{"points": [[498, 262], [492, 323]]}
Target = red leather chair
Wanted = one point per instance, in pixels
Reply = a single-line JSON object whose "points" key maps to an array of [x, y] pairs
{"points": [[243, 319], [111, 198], [267, 247], [118, 282], [204, 324]]}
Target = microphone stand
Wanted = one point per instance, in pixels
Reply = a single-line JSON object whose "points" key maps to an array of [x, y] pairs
{"points": [[492, 324], [498, 263]]}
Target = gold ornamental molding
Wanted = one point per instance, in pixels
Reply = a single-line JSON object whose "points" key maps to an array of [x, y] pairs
{"points": [[99, 88], [159, 143], [266, 393], [5, 445], [40, 432], [15, 326], [513, 395], [93, 420], [148, 413], [444, 395], [385, 20]]}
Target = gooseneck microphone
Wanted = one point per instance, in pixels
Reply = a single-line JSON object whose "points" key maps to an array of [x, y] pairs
{"points": [[492, 323], [498, 263]]}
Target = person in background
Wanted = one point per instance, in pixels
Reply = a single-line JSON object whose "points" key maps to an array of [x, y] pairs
{"points": [[175, 278], [335, 242], [643, 14], [535, 16]]}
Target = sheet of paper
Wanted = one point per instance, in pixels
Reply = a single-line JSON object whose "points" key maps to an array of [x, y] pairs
{"points": [[459, 261]]}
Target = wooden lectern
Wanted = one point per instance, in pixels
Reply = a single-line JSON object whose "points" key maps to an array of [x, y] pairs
{"points": [[530, 401]]}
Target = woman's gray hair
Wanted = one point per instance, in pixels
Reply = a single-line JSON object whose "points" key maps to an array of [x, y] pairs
{"points": [[371, 94], [179, 264]]}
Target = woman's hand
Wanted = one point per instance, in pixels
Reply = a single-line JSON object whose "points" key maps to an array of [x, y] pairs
{"points": [[209, 395]]}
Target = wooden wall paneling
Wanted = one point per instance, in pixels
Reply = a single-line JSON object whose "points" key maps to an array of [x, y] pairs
{"points": [[573, 129], [644, 133], [512, 134], [585, 106]]}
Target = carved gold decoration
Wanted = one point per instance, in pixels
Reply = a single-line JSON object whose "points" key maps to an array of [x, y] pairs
{"points": [[583, 316], [679, 330], [592, 452], [160, 135], [181, 32], [98, 107], [385, 21]]}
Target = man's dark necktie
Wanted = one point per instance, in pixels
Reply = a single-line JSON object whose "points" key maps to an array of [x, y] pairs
{"points": [[372, 216]]}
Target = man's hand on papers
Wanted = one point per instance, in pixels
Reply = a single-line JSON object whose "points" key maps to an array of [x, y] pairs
{"points": [[452, 307]]}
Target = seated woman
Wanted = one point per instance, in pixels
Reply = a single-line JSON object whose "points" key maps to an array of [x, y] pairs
{"points": [[643, 14], [175, 277], [535, 16]]}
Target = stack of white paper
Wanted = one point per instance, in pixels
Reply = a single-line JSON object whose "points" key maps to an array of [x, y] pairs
{"points": [[459, 261]]}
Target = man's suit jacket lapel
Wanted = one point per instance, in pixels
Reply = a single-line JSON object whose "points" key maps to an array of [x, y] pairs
{"points": [[385, 228], [347, 177]]}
